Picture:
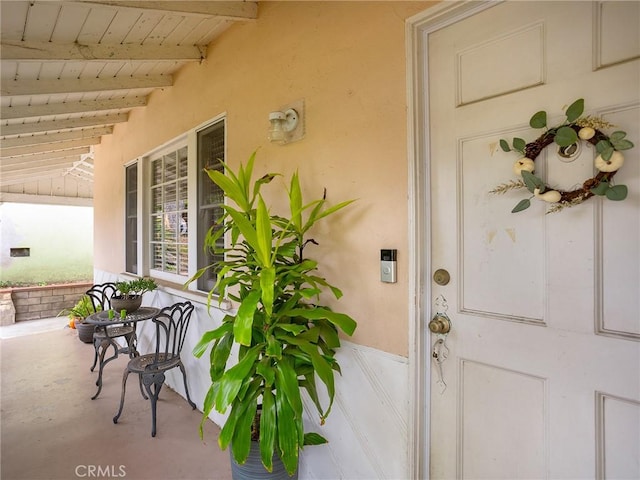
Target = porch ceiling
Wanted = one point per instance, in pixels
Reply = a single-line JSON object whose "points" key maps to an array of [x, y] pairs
{"points": [[71, 70]]}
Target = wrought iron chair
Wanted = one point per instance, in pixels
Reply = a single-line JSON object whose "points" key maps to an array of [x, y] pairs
{"points": [[103, 338], [171, 329]]}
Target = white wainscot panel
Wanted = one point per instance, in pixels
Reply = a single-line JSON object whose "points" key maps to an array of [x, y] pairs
{"points": [[509, 62], [618, 285], [367, 427], [616, 36], [503, 423], [503, 265], [618, 437]]}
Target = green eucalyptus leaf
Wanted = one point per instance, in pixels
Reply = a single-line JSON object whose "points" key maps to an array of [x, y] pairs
{"points": [[522, 205], [519, 144], [539, 120], [575, 110], [606, 154], [602, 145], [600, 189], [622, 144], [617, 135], [617, 192], [566, 136], [504, 145], [532, 182]]}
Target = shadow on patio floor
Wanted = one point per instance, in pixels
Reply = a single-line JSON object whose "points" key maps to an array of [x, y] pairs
{"points": [[51, 429]]}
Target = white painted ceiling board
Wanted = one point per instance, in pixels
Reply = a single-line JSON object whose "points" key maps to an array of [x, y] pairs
{"points": [[69, 66]]}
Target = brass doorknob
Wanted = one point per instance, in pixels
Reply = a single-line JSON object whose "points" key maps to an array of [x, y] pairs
{"points": [[440, 324]]}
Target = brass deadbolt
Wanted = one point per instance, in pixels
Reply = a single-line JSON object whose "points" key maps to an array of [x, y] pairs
{"points": [[440, 324], [441, 277]]}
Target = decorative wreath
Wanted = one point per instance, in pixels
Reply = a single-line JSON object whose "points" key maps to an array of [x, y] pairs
{"points": [[568, 136]]}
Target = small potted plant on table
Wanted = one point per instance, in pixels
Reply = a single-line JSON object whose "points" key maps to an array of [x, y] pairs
{"points": [[130, 294]]}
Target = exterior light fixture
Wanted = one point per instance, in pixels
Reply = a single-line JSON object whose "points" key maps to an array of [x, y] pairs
{"points": [[287, 124]]}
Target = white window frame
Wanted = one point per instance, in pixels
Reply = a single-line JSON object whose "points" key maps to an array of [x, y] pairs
{"points": [[190, 140]]}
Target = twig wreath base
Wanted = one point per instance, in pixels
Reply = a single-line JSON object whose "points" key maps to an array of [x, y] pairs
{"points": [[568, 135], [533, 149]]}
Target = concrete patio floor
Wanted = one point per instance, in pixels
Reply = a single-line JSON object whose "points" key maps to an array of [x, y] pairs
{"points": [[51, 429]]}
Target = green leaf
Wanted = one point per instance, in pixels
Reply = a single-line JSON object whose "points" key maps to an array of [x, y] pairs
{"points": [[232, 380], [622, 144], [574, 111], [295, 201], [274, 347], [219, 356], [600, 189], [539, 120], [287, 432], [312, 219], [241, 443], [617, 192], [286, 379], [244, 318], [504, 146], [230, 187], [603, 145], [313, 438], [606, 154], [532, 182], [264, 233], [341, 320], [267, 280], [209, 337], [522, 205], [617, 135], [267, 428], [519, 144], [566, 136]]}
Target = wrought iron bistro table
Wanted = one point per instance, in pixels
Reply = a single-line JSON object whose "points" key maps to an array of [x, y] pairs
{"points": [[102, 321]]}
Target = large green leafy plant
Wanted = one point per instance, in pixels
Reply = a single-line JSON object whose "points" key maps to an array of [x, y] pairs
{"points": [[286, 339]]}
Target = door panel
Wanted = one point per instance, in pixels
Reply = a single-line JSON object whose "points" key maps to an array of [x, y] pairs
{"points": [[543, 368]]}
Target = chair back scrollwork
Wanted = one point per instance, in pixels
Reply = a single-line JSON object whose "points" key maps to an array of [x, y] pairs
{"points": [[101, 294], [171, 331]]}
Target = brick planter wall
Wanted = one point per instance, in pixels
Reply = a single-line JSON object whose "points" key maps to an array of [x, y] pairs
{"points": [[33, 303]]}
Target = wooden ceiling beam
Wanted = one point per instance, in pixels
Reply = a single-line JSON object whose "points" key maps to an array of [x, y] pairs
{"points": [[75, 153], [56, 52], [66, 162], [28, 111], [54, 137], [56, 125], [48, 147], [229, 10], [78, 85], [30, 178]]}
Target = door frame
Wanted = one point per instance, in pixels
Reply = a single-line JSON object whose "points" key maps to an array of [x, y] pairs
{"points": [[417, 33]]}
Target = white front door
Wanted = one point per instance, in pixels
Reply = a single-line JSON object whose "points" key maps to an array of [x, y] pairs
{"points": [[543, 368]]}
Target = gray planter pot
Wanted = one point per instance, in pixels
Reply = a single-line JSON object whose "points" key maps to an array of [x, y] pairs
{"points": [[85, 332], [253, 469], [128, 304]]}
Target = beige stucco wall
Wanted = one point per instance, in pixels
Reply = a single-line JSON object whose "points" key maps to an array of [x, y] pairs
{"points": [[347, 61]]}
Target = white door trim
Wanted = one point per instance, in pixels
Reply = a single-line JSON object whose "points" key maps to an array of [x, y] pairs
{"points": [[417, 33]]}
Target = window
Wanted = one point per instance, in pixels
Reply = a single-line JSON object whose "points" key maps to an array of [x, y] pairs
{"points": [[210, 196], [131, 218], [168, 211], [179, 206]]}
